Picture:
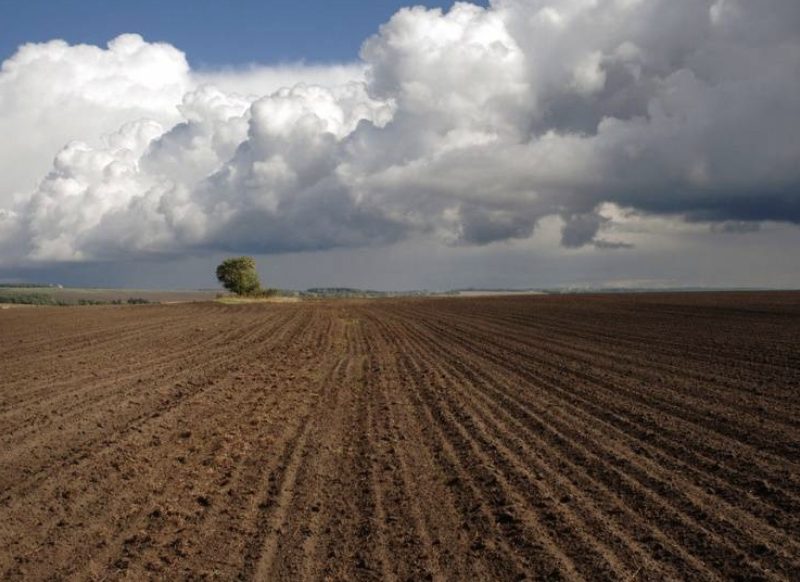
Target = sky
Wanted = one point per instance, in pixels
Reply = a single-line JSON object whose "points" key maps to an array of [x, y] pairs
{"points": [[210, 32], [511, 143]]}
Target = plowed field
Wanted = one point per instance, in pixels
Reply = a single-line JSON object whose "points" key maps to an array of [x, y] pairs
{"points": [[576, 437]]}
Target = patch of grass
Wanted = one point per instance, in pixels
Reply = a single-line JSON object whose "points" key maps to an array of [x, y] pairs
{"points": [[49, 299], [30, 299], [265, 296]]}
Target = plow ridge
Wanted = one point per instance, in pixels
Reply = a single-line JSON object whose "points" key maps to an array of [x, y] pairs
{"points": [[581, 438]]}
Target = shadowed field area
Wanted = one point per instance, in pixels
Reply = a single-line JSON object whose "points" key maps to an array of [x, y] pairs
{"points": [[577, 437]]}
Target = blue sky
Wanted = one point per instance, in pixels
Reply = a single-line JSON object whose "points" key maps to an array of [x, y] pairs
{"points": [[212, 33]]}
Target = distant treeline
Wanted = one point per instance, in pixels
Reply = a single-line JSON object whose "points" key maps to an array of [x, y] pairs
{"points": [[352, 292], [25, 286], [338, 292], [129, 301]]}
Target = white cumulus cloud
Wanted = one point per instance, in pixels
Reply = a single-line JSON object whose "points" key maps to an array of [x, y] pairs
{"points": [[470, 126]]}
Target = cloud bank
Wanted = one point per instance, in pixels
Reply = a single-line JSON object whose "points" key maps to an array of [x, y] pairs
{"points": [[468, 126]]}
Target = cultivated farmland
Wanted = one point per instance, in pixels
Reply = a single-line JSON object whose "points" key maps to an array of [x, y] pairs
{"points": [[496, 438]]}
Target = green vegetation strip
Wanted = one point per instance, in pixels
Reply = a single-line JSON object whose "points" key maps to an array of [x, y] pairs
{"points": [[45, 299], [30, 299]]}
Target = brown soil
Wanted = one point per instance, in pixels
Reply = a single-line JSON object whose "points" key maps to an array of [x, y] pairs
{"points": [[577, 437]]}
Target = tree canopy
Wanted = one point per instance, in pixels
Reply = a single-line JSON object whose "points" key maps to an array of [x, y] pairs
{"points": [[239, 275]]}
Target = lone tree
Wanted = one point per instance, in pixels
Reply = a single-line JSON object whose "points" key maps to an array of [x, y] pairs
{"points": [[239, 275]]}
